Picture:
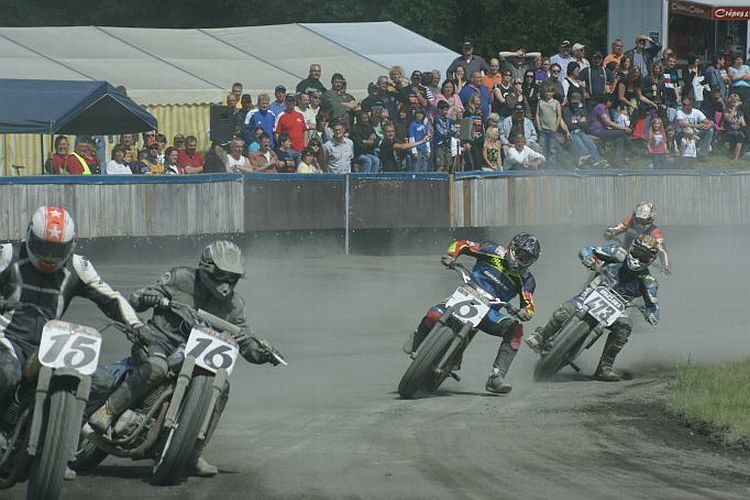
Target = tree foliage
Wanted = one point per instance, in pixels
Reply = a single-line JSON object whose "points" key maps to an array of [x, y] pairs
{"points": [[492, 24]]}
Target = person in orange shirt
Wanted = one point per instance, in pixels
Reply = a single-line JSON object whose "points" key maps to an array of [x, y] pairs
{"points": [[618, 48], [493, 76]]}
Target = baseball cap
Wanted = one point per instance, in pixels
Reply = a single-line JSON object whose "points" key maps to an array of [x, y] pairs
{"points": [[280, 87], [443, 105], [467, 43], [578, 46], [519, 107], [565, 42]]}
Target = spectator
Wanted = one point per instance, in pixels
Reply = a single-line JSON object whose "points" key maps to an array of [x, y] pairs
{"points": [[261, 116], [579, 56], [292, 123], [190, 159], [232, 102], [365, 143], [448, 95], [340, 151], [161, 140], [563, 56], [542, 72], [493, 76], [694, 79], [600, 125], [312, 83], [476, 88], [303, 108], [734, 124], [470, 62], [55, 164], [237, 93], [435, 79], [336, 102], [392, 149], [629, 93], [500, 92], [657, 143], [626, 62], [516, 97], [713, 75], [416, 96], [491, 149], [459, 79], [115, 166], [235, 160], [171, 166], [522, 157], [89, 154], [378, 117], [388, 95], [307, 163], [216, 158], [315, 98], [594, 78], [687, 147], [75, 163], [319, 157], [571, 83], [131, 151], [618, 48], [672, 88], [714, 107], [695, 119], [574, 115], [428, 80], [419, 137], [739, 76], [555, 79], [396, 74], [287, 158], [373, 97], [530, 91], [148, 137], [238, 118], [444, 132], [643, 56], [549, 122], [322, 127], [264, 160], [517, 63], [279, 104], [474, 121], [179, 142], [151, 164], [518, 124]]}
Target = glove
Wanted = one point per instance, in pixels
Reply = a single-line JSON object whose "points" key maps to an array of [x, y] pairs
{"points": [[447, 260], [589, 262], [272, 355], [151, 298], [652, 318], [523, 314], [609, 235], [143, 334]]}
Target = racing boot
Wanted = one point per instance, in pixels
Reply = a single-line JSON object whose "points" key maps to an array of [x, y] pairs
{"points": [[70, 474], [496, 383], [538, 339], [102, 419], [201, 468], [604, 371], [535, 341], [409, 346]]}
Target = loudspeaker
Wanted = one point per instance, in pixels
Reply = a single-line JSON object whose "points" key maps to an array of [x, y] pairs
{"points": [[221, 123]]}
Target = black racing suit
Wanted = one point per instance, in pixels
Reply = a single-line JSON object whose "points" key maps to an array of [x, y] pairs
{"points": [[33, 298]]}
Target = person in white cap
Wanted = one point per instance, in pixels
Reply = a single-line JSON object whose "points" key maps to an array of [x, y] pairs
{"points": [[578, 54]]}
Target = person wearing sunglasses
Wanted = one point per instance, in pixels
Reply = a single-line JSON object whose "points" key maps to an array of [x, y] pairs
{"points": [[211, 287]]}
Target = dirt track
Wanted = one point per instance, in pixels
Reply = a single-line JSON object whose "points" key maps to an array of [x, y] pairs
{"points": [[331, 425]]}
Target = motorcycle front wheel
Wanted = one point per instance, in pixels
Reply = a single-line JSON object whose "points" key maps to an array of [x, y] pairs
{"points": [[565, 348], [421, 372]]}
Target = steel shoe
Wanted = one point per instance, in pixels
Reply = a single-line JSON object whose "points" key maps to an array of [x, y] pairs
{"points": [[535, 341], [202, 468], [496, 384]]}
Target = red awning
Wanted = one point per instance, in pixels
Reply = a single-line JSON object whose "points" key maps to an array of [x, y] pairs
{"points": [[715, 10]]}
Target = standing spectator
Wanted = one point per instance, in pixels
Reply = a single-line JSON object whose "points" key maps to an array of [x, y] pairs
{"points": [[516, 97], [687, 116], [55, 164], [600, 125], [392, 149], [75, 163], [264, 160], [89, 154], [549, 122], [474, 119], [491, 149], [618, 48], [388, 94], [657, 143], [476, 88], [307, 163], [396, 74], [518, 124], [435, 79], [500, 92], [493, 76], [151, 164], [319, 156], [261, 117], [190, 159], [542, 72], [428, 80], [579, 57], [237, 93], [416, 96], [563, 56], [571, 83], [643, 56], [340, 151], [315, 98], [460, 79], [232, 102], [522, 157], [530, 90], [555, 79], [517, 62], [595, 79], [448, 95], [292, 123], [443, 132], [236, 161], [714, 107], [739, 76], [672, 88], [238, 118], [336, 102], [115, 166], [365, 142], [161, 140], [279, 104], [287, 158], [574, 115], [420, 154], [216, 158], [372, 99], [694, 79], [470, 62], [171, 166], [303, 108], [312, 83], [688, 150], [322, 127], [714, 80], [734, 124], [131, 151]]}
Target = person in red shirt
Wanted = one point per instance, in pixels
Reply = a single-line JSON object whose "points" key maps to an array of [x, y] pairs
{"points": [[292, 123], [76, 163], [190, 158], [56, 162]]}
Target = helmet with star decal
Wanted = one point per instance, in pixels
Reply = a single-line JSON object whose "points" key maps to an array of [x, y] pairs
{"points": [[50, 238]]}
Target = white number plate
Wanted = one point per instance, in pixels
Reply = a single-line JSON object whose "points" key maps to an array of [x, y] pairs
{"points": [[211, 351], [467, 306], [66, 345], [604, 305]]}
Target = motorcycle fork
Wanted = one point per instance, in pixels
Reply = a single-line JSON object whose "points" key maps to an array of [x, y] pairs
{"points": [[455, 351], [183, 379], [37, 418], [217, 386]]}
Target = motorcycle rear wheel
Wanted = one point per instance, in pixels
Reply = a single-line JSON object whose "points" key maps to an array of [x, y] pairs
{"points": [[565, 348], [420, 376]]}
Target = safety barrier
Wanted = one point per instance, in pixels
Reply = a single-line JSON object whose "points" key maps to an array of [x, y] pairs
{"points": [[146, 206]]}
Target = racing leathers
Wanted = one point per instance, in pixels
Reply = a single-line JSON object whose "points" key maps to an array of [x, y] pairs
{"points": [[628, 283], [632, 229], [492, 273], [32, 298]]}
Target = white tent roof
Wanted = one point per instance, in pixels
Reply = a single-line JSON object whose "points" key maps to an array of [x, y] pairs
{"points": [[173, 66]]}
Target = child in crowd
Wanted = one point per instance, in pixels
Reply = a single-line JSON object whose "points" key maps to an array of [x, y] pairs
{"points": [[420, 155], [549, 121], [733, 122], [623, 116], [287, 162], [492, 148], [522, 157], [307, 162], [670, 158], [688, 148], [657, 143], [443, 132]]}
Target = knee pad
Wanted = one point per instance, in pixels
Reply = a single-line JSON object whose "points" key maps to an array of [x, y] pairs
{"points": [[516, 336]]}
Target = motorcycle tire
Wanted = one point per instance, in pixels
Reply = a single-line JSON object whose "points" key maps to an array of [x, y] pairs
{"points": [[48, 466], [88, 455], [419, 376], [565, 348], [171, 466]]}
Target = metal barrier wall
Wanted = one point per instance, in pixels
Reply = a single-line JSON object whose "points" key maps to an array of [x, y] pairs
{"points": [[144, 206]]}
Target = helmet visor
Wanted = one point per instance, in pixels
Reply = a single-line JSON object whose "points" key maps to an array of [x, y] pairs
{"points": [[225, 277], [48, 251], [643, 255], [524, 257]]}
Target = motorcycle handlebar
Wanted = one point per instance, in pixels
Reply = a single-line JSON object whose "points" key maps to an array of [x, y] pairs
{"points": [[204, 316]]}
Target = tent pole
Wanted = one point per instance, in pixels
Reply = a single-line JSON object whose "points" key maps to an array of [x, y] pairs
{"points": [[41, 148]]}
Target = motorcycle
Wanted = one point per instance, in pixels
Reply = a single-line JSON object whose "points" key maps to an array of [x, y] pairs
{"points": [[174, 418], [39, 425], [440, 354], [598, 306]]}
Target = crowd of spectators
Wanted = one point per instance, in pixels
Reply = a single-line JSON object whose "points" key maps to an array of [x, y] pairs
{"points": [[521, 110]]}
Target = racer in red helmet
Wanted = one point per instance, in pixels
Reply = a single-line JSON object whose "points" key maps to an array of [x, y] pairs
{"points": [[641, 222]]}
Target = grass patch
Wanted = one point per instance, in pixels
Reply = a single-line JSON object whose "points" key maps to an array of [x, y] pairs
{"points": [[717, 395]]}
